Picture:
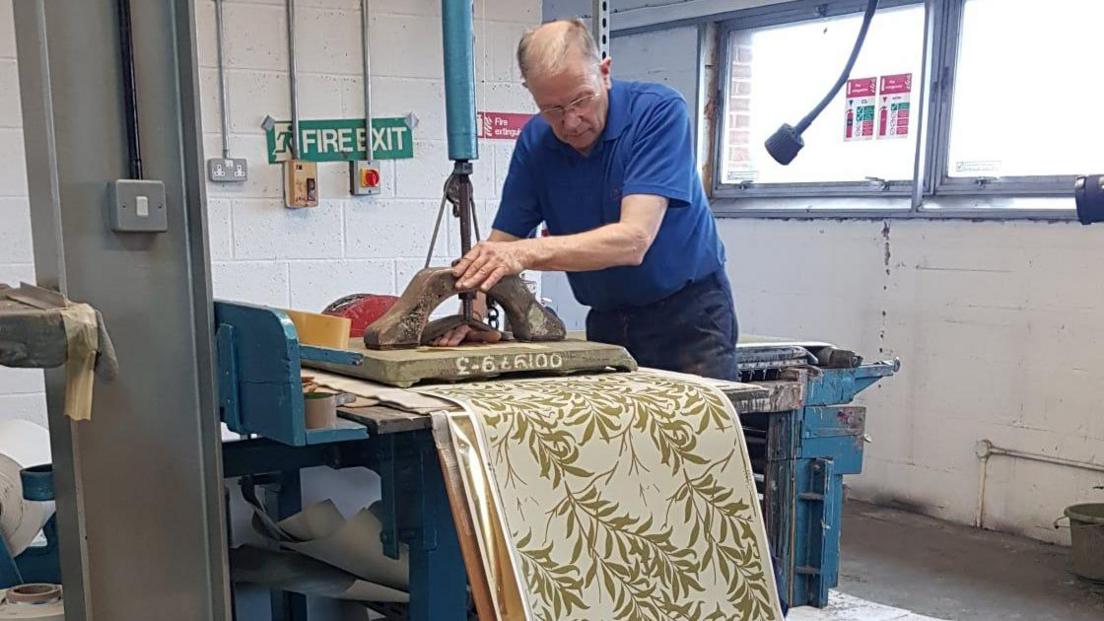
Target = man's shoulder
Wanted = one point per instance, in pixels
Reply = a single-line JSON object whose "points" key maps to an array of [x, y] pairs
{"points": [[535, 131], [644, 95]]}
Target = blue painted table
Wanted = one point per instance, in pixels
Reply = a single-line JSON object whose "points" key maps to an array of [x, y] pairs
{"points": [[803, 436]]}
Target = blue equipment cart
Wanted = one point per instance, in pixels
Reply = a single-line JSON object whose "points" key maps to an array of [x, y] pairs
{"points": [[802, 432]]}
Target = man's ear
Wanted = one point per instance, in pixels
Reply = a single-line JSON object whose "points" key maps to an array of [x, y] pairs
{"points": [[604, 70]]}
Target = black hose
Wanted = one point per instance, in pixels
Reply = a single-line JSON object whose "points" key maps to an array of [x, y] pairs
{"points": [[871, 6], [130, 93]]}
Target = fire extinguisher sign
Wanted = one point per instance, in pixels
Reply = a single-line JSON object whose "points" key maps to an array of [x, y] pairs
{"points": [[893, 110], [861, 95]]}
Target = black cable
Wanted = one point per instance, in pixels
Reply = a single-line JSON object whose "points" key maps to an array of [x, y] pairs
{"points": [[785, 143], [130, 94], [871, 6]]}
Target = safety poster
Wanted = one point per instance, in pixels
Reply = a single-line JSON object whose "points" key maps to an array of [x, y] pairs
{"points": [[861, 95], [893, 114]]}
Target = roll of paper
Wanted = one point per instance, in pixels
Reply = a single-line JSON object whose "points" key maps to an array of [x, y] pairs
{"points": [[22, 444], [52, 610]]}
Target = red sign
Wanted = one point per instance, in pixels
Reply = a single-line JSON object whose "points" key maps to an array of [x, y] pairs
{"points": [[862, 87], [860, 109], [893, 84], [893, 114], [502, 125]]}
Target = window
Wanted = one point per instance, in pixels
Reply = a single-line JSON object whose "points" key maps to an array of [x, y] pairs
{"points": [[778, 73], [1027, 95], [1003, 97]]}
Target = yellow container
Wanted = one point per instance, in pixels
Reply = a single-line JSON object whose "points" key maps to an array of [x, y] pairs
{"points": [[321, 330]]}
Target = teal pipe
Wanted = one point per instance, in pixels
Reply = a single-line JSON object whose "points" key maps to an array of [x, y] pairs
{"points": [[456, 24]]}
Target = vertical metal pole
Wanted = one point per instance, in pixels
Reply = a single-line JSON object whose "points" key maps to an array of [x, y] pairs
{"points": [[918, 170], [50, 256], [459, 49], [367, 57], [283, 500], [461, 178], [224, 109], [600, 26], [438, 580], [291, 79], [142, 482]]}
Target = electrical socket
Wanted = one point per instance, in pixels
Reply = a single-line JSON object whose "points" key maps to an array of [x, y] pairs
{"points": [[227, 170]]}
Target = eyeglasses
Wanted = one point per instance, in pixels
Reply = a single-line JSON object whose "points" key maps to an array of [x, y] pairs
{"points": [[557, 113]]}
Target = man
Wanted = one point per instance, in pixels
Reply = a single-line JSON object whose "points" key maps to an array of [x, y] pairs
{"points": [[609, 167]]}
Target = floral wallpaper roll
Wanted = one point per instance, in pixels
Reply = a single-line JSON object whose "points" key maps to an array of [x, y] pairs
{"points": [[623, 496]]}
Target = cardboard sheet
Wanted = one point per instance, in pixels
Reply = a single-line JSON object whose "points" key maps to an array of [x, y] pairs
{"points": [[353, 546], [371, 393]]}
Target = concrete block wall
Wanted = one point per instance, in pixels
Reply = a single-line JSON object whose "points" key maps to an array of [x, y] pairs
{"points": [[997, 325], [262, 252]]}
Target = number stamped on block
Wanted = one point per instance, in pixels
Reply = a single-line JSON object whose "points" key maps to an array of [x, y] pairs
{"points": [[502, 363]]}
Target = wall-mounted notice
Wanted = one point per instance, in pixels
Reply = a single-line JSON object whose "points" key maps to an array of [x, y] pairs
{"points": [[502, 125], [861, 95], [893, 115], [338, 140]]}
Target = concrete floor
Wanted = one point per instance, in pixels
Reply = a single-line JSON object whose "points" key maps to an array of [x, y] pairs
{"points": [[958, 573]]}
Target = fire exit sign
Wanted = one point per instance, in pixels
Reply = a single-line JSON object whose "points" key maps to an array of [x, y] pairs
{"points": [[339, 140]]}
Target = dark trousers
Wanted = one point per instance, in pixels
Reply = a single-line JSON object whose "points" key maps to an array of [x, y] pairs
{"points": [[692, 331]]}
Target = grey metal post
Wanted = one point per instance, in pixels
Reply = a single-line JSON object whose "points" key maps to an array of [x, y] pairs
{"points": [[600, 26], [138, 487], [224, 108], [367, 58], [291, 78]]}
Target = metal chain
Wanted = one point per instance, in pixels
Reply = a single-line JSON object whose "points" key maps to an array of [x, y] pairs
{"points": [[492, 315]]}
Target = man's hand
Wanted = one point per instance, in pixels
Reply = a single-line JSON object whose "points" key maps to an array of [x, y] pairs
{"points": [[461, 334], [465, 334], [489, 262]]}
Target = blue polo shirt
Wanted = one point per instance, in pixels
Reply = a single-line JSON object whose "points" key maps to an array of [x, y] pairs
{"points": [[645, 148]]}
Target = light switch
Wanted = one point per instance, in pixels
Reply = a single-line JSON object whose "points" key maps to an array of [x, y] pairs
{"points": [[138, 206]]}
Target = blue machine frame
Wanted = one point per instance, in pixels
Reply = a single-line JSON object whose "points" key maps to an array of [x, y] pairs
{"points": [[35, 564], [809, 449]]}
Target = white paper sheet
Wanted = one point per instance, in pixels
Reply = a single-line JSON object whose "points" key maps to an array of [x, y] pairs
{"points": [[22, 444]]}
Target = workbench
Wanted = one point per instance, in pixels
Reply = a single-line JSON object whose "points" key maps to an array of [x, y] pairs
{"points": [[802, 435]]}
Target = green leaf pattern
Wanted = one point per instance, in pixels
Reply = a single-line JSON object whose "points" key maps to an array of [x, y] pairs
{"points": [[627, 496]]}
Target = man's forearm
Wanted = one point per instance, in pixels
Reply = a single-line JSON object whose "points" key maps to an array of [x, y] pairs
{"points": [[613, 245]]}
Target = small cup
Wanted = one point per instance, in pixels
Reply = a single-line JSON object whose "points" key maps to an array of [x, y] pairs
{"points": [[320, 409]]}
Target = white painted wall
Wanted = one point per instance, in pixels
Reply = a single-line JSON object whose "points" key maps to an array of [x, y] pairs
{"points": [[998, 326], [262, 252], [996, 323]]}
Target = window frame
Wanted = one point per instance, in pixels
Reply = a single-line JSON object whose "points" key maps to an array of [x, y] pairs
{"points": [[782, 15], [949, 21], [932, 193]]}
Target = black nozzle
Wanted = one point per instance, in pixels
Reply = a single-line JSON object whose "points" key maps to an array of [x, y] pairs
{"points": [[784, 144], [1090, 199]]}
